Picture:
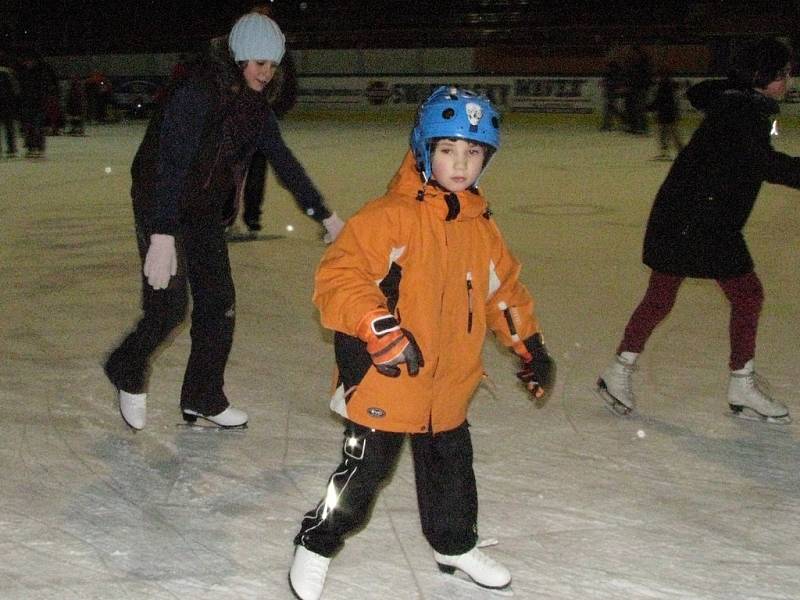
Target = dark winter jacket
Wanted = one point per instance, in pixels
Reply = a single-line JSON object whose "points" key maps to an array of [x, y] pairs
{"points": [[196, 149], [37, 82], [665, 104], [76, 104], [695, 225], [9, 93]]}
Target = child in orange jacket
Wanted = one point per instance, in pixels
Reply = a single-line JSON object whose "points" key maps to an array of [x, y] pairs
{"points": [[416, 278]]}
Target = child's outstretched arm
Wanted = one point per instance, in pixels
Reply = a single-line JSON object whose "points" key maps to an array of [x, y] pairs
{"points": [[510, 315]]}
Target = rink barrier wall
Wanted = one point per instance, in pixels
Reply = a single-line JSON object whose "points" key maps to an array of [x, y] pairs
{"points": [[550, 95], [381, 81], [522, 94]]}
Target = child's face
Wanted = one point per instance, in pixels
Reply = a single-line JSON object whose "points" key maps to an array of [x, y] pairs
{"points": [[258, 73], [456, 164], [777, 89]]}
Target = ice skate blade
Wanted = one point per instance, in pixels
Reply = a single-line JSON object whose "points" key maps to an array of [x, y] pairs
{"points": [[459, 576], [748, 414], [212, 428], [191, 422], [192, 417], [611, 403], [237, 238]]}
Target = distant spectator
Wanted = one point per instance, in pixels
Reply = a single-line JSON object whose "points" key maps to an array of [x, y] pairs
{"points": [[667, 110], [53, 113], [179, 71], [98, 94], [9, 104], [639, 79], [76, 106], [613, 88], [37, 82]]}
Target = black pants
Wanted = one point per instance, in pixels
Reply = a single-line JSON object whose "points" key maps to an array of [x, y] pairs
{"points": [[32, 123], [204, 268], [254, 191], [11, 133], [446, 491]]}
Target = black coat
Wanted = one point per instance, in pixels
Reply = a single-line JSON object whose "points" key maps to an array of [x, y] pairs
{"points": [[695, 225], [196, 150]]}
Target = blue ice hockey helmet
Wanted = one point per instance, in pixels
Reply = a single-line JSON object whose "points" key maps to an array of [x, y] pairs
{"points": [[451, 112]]}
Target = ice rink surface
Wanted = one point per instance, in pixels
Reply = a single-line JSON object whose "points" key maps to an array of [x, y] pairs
{"points": [[679, 502]]}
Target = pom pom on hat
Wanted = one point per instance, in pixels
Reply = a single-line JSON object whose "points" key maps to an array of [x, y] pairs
{"points": [[256, 37]]}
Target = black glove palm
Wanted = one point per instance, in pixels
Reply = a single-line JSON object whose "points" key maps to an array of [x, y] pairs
{"points": [[538, 372]]}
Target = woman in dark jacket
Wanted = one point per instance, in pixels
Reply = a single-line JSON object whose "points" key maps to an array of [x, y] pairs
{"points": [[695, 226], [195, 150]]}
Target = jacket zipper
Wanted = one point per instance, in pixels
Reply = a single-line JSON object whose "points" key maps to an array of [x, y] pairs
{"points": [[469, 301]]}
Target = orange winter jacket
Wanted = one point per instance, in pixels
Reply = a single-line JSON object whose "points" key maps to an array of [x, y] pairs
{"points": [[445, 276]]}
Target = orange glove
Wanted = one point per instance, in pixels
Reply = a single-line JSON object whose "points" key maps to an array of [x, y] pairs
{"points": [[388, 344]]}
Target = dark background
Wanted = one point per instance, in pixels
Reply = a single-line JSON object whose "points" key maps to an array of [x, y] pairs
{"points": [[69, 27]]}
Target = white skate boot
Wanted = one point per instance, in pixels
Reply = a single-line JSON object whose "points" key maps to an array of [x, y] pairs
{"points": [[230, 418], [307, 575], [615, 387], [748, 401], [483, 570], [133, 408]]}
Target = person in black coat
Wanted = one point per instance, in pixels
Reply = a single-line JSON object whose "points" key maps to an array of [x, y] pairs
{"points": [[37, 82], [666, 107], [9, 104], [196, 148], [695, 225]]}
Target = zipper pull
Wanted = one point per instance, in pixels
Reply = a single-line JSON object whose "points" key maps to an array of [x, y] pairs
{"points": [[469, 301]]}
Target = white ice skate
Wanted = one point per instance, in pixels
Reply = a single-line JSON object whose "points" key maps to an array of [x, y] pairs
{"points": [[484, 571], [307, 575], [133, 408], [230, 418], [614, 386], [748, 401]]}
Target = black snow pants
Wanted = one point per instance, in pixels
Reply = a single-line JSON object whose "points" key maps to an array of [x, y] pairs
{"points": [[446, 490]]}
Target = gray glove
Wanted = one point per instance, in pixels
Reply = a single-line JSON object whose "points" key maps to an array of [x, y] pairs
{"points": [[161, 261], [333, 227]]}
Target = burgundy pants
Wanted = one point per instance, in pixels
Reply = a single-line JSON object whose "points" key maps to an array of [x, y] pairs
{"points": [[744, 293]]}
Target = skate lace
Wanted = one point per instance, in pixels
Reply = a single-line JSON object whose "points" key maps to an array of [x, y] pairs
{"points": [[625, 376], [759, 384], [482, 559]]}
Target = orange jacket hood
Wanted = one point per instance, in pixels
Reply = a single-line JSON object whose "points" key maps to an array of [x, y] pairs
{"points": [[407, 184]]}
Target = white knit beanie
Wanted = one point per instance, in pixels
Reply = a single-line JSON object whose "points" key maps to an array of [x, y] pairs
{"points": [[256, 37]]}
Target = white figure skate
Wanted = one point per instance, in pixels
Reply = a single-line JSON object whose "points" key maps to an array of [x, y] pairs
{"points": [[614, 386], [748, 401]]}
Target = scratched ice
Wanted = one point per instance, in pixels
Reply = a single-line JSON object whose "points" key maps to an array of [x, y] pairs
{"points": [[698, 506]]}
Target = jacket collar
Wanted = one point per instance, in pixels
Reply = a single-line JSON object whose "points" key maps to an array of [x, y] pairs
{"points": [[716, 95], [448, 206]]}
